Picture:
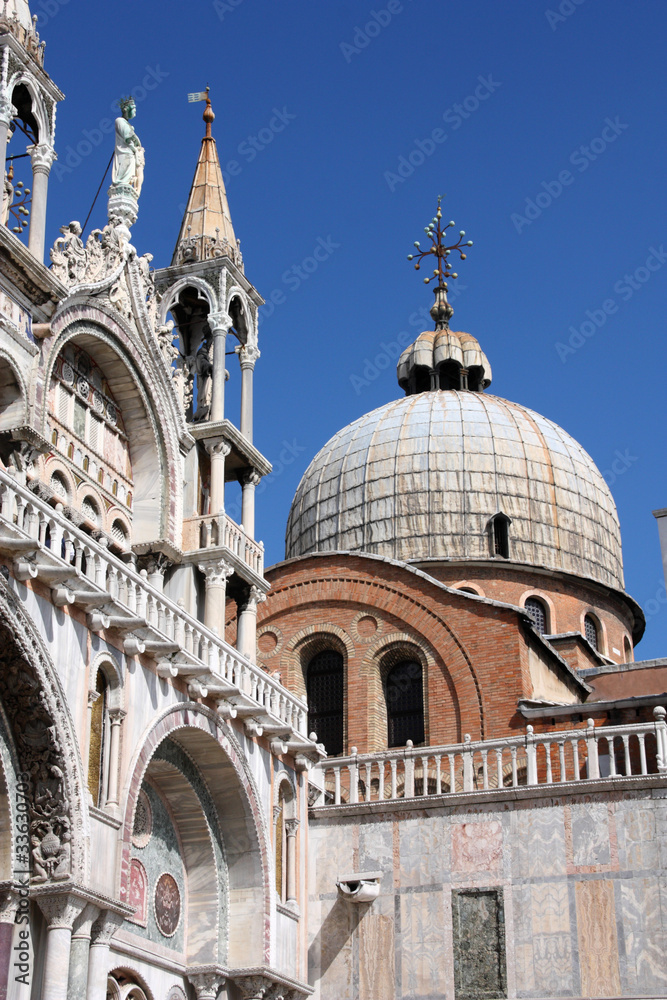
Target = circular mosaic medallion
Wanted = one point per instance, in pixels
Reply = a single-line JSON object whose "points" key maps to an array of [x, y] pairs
{"points": [[98, 402], [68, 373], [112, 416], [143, 821], [167, 905], [83, 387]]}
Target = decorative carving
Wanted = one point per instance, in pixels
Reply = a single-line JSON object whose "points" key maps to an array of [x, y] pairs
{"points": [[42, 156], [105, 927], [128, 160], [61, 909], [167, 904], [40, 754], [254, 987], [138, 894], [197, 247], [105, 252], [216, 573], [168, 349], [250, 477], [206, 984], [248, 355]]}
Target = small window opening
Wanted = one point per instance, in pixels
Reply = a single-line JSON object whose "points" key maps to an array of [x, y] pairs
{"points": [[404, 693], [324, 685], [538, 612], [591, 631], [500, 535]]}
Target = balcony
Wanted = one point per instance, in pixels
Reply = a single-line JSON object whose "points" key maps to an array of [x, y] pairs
{"points": [[81, 572], [219, 531]]}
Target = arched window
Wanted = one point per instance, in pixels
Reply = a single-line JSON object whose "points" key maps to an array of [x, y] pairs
{"points": [[500, 535], [468, 590], [538, 612], [591, 631], [627, 650], [285, 845], [324, 687], [404, 694], [99, 740]]}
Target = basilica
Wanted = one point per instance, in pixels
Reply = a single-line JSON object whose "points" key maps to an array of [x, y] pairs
{"points": [[416, 759]]}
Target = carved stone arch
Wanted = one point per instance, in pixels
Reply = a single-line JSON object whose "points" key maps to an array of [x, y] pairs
{"points": [[385, 653], [305, 644], [113, 676], [238, 308], [170, 295], [46, 748], [285, 785], [13, 393], [212, 745], [39, 108], [153, 438], [128, 979]]}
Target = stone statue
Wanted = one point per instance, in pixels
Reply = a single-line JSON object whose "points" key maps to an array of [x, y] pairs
{"points": [[7, 199], [128, 160]]}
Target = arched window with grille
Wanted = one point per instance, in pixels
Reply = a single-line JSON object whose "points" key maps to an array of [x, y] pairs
{"points": [[404, 695], [537, 610], [591, 631], [500, 535], [324, 687]]}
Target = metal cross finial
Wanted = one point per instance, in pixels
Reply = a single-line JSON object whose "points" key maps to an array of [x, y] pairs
{"points": [[436, 232]]}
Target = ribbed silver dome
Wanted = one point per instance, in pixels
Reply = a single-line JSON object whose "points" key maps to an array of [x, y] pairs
{"points": [[422, 477]]}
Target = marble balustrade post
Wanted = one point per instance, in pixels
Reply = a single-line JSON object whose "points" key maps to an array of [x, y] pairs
{"points": [[246, 638], [42, 156], [249, 482], [220, 324], [60, 911], [102, 931], [216, 575], [248, 355]]}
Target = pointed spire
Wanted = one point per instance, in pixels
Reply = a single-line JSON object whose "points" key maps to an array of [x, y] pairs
{"points": [[206, 230]]}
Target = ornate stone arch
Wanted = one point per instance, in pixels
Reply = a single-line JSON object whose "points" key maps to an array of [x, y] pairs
{"points": [[384, 653], [126, 978], [242, 317], [210, 743], [153, 437], [45, 745], [39, 107], [306, 643], [13, 393], [108, 664], [170, 296]]}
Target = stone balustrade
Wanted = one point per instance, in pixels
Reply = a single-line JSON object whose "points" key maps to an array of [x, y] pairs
{"points": [[600, 753], [216, 530], [80, 571]]}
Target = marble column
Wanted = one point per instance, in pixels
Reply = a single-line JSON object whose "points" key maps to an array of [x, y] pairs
{"points": [[116, 716], [216, 575], [103, 930], [220, 324], [248, 355], [246, 638], [291, 827], [78, 959], [218, 450], [8, 907], [249, 481], [60, 911], [42, 156], [7, 112]]}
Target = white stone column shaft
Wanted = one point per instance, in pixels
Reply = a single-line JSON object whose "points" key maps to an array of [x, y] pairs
{"points": [[218, 450], [216, 575], [60, 912], [291, 826], [116, 716], [98, 957], [42, 156], [248, 355], [219, 323], [249, 481], [246, 637]]}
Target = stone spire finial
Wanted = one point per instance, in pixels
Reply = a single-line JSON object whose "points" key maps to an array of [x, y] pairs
{"points": [[206, 229], [441, 311]]}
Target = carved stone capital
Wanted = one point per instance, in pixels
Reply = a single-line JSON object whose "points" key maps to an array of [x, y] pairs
{"points": [[248, 355], [254, 987], [105, 927], [216, 573], [251, 477], [219, 322], [206, 984], [60, 909], [116, 716], [291, 826], [218, 448], [84, 922], [7, 111], [42, 156]]}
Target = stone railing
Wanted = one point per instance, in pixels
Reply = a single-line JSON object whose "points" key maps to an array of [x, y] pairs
{"points": [[219, 529], [44, 545], [577, 755]]}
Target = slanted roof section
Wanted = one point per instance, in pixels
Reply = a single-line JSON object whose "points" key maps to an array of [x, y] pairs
{"points": [[206, 230]]}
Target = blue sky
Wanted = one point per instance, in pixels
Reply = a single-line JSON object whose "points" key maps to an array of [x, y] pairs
{"points": [[549, 144]]}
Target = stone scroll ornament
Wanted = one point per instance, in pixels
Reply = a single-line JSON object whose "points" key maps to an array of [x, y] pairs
{"points": [[40, 756]]}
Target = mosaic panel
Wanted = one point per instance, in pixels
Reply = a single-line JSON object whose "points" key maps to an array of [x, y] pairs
{"points": [[479, 944]]}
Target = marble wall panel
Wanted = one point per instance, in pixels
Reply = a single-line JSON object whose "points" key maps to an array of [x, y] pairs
{"points": [[597, 938], [337, 844], [477, 846], [538, 842], [425, 952], [376, 957], [637, 843], [479, 944], [590, 834], [331, 953], [424, 852], [376, 849], [643, 902], [543, 940]]}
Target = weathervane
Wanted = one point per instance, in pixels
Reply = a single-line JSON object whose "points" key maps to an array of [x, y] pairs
{"points": [[442, 310]]}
